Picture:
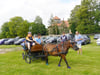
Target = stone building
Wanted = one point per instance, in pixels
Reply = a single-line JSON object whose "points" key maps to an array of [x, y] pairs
{"points": [[61, 24]]}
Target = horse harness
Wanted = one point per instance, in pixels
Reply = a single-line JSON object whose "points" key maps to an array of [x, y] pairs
{"points": [[56, 48]]}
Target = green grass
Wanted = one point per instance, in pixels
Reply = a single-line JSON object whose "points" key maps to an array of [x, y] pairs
{"points": [[11, 63]]}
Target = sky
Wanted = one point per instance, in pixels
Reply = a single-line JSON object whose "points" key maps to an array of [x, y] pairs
{"points": [[29, 9]]}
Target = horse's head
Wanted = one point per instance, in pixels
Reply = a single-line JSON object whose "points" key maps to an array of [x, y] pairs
{"points": [[73, 45]]}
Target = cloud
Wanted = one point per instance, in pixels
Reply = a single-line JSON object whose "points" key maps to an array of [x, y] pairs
{"points": [[29, 9]]}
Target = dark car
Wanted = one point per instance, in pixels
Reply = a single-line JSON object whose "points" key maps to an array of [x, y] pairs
{"points": [[96, 36], [18, 42], [2, 41], [9, 42], [86, 39]]}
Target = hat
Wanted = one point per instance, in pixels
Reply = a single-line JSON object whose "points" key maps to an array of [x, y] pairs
{"points": [[29, 33]]}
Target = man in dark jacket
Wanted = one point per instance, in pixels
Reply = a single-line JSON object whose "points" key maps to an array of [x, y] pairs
{"points": [[63, 37]]}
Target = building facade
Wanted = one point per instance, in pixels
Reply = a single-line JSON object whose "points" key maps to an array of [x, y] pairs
{"points": [[58, 26]]}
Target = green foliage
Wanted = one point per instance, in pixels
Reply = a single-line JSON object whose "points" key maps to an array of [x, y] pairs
{"points": [[63, 28], [38, 28], [55, 29], [5, 30], [23, 29], [38, 20], [73, 21], [85, 17], [14, 24], [19, 27]]}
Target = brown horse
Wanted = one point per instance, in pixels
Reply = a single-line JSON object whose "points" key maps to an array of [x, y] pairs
{"points": [[59, 50]]}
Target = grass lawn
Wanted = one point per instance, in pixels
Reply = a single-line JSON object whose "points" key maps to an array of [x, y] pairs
{"points": [[11, 63]]}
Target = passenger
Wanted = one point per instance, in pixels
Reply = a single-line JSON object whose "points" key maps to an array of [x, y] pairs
{"points": [[38, 39], [30, 40], [63, 37]]}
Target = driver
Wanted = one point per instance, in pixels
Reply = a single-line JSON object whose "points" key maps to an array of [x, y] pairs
{"points": [[30, 40]]}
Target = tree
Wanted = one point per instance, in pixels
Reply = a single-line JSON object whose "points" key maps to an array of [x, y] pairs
{"points": [[23, 28], [38, 20], [55, 29], [86, 17], [5, 30], [14, 25], [73, 21], [19, 27], [38, 26], [51, 21], [63, 27]]}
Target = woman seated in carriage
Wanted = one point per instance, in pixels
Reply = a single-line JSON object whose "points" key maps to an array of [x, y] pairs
{"points": [[30, 40]]}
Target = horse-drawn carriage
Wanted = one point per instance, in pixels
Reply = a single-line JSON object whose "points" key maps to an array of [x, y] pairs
{"points": [[35, 53], [39, 51]]}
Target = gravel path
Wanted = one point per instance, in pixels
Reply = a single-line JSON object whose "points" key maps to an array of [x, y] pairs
{"points": [[2, 51]]}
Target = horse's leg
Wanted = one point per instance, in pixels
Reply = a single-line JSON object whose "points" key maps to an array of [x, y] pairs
{"points": [[63, 56], [46, 58], [60, 62]]}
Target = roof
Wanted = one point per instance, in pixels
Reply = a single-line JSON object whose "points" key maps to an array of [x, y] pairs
{"points": [[59, 24], [66, 23], [56, 18]]}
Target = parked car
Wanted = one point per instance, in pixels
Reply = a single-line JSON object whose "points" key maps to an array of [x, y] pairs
{"points": [[59, 39], [17, 38], [18, 42], [43, 39], [98, 41], [9, 42], [52, 40], [86, 39], [2, 41], [96, 36]]}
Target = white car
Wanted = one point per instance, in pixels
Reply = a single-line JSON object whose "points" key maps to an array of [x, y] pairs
{"points": [[98, 41]]}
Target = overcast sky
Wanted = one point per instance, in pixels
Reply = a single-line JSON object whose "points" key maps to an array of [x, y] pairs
{"points": [[29, 9]]}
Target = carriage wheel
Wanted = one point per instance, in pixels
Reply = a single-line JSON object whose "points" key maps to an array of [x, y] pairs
{"points": [[28, 59], [23, 55]]}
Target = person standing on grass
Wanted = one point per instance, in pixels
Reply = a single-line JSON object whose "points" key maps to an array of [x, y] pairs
{"points": [[78, 39]]}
